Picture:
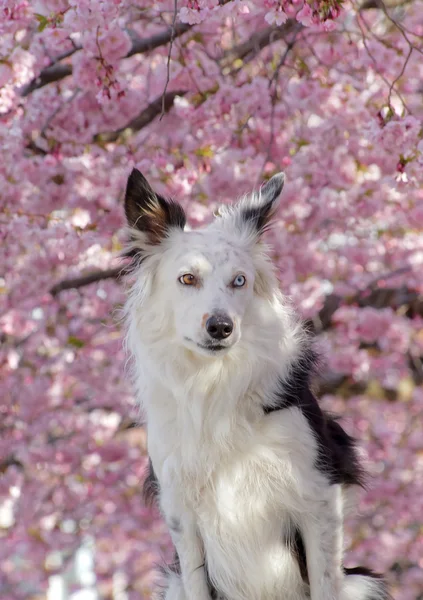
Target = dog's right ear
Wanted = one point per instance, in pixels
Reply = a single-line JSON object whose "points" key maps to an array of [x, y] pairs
{"points": [[149, 213]]}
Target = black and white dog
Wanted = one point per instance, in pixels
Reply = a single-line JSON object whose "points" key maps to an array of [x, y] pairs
{"points": [[250, 474]]}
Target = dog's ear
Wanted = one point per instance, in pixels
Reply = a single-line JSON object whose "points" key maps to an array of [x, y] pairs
{"points": [[149, 213], [258, 209]]}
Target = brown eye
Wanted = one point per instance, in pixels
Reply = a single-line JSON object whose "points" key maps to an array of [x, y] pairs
{"points": [[187, 279]]}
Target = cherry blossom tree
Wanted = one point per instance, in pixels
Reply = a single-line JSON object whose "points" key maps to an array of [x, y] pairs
{"points": [[208, 98]]}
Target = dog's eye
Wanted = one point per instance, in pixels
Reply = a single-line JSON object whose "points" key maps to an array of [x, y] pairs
{"points": [[239, 281], [187, 279]]}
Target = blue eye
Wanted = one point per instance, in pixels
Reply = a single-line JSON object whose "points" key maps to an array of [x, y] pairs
{"points": [[239, 281]]}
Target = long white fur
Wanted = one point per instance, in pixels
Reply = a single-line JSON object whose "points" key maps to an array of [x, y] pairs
{"points": [[233, 481]]}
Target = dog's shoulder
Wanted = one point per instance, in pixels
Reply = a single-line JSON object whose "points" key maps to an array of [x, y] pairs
{"points": [[337, 456]]}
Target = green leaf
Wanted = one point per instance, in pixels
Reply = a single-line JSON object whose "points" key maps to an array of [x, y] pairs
{"points": [[42, 20], [74, 341], [205, 152]]}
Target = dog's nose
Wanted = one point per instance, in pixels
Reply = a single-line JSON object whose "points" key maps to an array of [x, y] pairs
{"points": [[219, 327]]}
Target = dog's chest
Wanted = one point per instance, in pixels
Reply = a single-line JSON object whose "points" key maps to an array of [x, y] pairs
{"points": [[245, 516], [215, 464], [243, 483]]}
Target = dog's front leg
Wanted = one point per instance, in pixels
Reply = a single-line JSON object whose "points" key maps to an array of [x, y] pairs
{"points": [[322, 528], [191, 556], [187, 541]]}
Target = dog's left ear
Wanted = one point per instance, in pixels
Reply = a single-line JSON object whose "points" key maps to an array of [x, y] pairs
{"points": [[259, 208], [149, 213]]}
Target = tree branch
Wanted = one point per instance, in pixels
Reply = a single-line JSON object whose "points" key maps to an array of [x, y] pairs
{"points": [[147, 115], [54, 72], [10, 461], [250, 48], [83, 280], [370, 296], [245, 51], [258, 41], [58, 71], [146, 45]]}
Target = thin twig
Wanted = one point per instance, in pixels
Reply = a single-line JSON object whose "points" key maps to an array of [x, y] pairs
{"points": [[289, 46], [388, 83], [274, 82], [57, 110], [411, 47], [172, 37], [399, 27], [398, 77]]}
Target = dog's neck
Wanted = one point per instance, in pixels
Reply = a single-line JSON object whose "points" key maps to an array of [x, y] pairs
{"points": [[238, 382]]}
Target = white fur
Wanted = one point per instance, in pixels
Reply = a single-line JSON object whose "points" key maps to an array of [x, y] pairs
{"points": [[358, 586], [233, 480]]}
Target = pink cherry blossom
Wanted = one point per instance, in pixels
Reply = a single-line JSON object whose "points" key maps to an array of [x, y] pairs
{"points": [[331, 96]]}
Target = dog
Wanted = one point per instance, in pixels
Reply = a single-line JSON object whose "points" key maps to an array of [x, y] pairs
{"points": [[249, 473]]}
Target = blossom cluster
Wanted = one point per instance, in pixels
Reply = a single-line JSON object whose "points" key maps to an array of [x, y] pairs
{"points": [[207, 98]]}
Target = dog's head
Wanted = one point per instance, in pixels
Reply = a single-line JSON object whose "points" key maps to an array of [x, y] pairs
{"points": [[195, 288]]}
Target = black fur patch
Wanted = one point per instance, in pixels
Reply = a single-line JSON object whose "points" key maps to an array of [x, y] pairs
{"points": [[148, 212], [368, 573], [175, 567], [151, 487], [296, 544], [258, 216], [362, 571], [337, 457], [214, 594]]}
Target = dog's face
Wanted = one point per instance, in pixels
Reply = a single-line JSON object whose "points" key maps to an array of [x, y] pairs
{"points": [[206, 278], [210, 282]]}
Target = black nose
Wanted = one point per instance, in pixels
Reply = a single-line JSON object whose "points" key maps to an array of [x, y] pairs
{"points": [[219, 327]]}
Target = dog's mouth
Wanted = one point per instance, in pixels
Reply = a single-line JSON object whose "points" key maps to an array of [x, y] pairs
{"points": [[212, 348]]}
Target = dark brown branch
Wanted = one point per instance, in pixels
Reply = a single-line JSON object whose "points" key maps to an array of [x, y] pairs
{"points": [[257, 42], [10, 461], [379, 4], [58, 71], [161, 39], [146, 116], [371, 296], [54, 72], [83, 280], [374, 296], [243, 51]]}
